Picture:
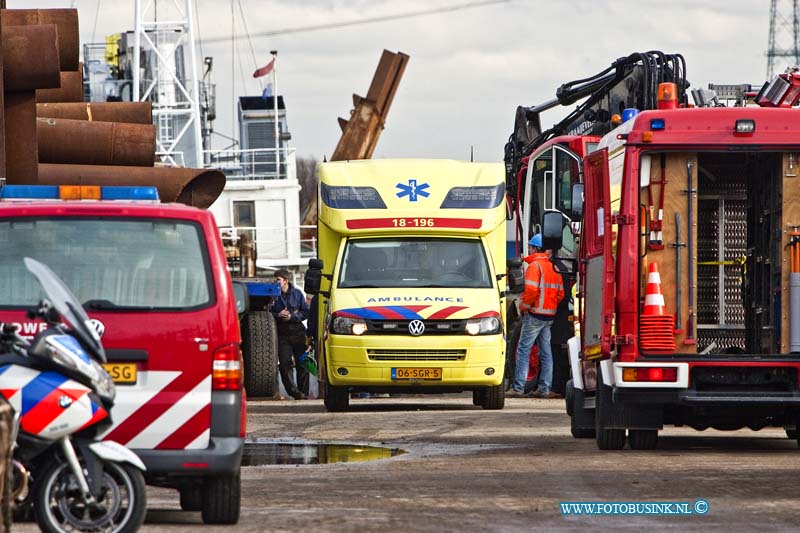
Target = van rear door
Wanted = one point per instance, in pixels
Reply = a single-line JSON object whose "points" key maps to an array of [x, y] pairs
{"points": [[148, 284]]}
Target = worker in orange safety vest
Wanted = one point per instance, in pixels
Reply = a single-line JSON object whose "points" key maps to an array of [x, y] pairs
{"points": [[544, 290]]}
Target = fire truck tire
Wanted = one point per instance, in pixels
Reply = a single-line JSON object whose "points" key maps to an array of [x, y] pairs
{"points": [[191, 499], [494, 398], [260, 354], [643, 439], [222, 498], [337, 399], [606, 438], [578, 414], [478, 397]]}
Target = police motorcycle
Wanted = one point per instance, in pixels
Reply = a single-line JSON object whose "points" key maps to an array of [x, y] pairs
{"points": [[62, 398]]}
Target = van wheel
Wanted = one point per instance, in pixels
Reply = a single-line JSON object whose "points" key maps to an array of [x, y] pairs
{"points": [[260, 354], [494, 398], [337, 399], [478, 397], [607, 439], [643, 439], [191, 499], [222, 499]]}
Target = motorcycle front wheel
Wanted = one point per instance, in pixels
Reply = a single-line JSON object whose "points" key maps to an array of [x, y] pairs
{"points": [[120, 507]]}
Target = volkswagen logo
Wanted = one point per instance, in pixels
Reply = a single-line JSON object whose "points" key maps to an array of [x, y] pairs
{"points": [[416, 327]]}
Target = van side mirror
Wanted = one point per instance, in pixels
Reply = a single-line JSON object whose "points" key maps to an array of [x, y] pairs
{"points": [[516, 276], [577, 202], [552, 230], [241, 296], [313, 277]]}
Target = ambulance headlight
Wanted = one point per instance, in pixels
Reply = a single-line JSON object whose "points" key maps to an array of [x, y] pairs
{"points": [[343, 325], [483, 326]]}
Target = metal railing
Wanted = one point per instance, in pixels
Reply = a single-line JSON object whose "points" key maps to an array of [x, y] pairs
{"points": [[269, 239], [255, 164]]}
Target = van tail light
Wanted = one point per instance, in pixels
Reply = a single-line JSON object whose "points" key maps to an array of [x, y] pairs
{"points": [[226, 372]]}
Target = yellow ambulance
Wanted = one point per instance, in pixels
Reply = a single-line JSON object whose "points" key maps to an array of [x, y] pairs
{"points": [[410, 279]]}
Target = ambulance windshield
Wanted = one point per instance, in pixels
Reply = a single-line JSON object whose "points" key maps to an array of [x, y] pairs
{"points": [[414, 262]]}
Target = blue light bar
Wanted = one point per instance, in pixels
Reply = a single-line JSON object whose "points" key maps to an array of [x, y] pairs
{"points": [[629, 113], [53, 192], [129, 193], [657, 124], [29, 192]]}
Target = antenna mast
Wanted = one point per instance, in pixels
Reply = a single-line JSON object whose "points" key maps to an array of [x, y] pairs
{"points": [[170, 79], [784, 35]]}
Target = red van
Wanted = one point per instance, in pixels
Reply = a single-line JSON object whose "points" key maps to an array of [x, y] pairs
{"points": [[153, 278]]}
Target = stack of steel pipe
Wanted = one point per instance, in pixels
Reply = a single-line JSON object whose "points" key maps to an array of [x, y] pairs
{"points": [[60, 139]]}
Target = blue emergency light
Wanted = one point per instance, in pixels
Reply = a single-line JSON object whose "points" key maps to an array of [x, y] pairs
{"points": [[657, 124], [79, 192]]}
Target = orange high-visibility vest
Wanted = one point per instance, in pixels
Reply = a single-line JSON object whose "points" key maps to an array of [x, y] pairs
{"points": [[543, 286]]}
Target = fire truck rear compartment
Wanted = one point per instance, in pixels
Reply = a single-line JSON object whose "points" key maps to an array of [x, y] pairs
{"points": [[739, 253], [740, 273]]}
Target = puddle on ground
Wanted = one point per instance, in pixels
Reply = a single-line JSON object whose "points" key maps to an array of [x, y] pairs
{"points": [[259, 452]]}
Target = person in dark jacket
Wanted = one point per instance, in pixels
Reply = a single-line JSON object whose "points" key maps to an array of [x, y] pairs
{"points": [[290, 310]]}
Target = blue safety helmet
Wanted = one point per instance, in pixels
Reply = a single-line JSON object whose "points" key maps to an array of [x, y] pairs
{"points": [[536, 240]]}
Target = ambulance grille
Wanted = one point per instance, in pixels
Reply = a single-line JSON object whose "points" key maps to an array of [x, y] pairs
{"points": [[432, 327], [416, 355]]}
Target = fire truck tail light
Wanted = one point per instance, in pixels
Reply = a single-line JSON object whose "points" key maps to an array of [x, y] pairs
{"points": [[652, 374], [226, 372]]}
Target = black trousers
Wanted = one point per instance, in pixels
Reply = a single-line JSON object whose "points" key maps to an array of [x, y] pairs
{"points": [[288, 355]]}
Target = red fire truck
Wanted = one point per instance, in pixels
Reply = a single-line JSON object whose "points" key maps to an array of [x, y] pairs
{"points": [[688, 291]]}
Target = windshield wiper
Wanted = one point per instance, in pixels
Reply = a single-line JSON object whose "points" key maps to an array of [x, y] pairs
{"points": [[99, 305]]}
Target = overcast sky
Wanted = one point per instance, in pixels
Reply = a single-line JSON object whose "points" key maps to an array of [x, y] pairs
{"points": [[468, 70]]}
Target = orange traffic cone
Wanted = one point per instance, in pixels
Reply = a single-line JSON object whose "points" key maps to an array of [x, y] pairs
{"points": [[653, 299], [656, 328]]}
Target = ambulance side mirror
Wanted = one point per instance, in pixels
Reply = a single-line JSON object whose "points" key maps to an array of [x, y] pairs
{"points": [[552, 230], [313, 276]]}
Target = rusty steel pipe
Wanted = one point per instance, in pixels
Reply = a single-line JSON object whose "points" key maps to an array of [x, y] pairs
{"points": [[66, 20], [21, 153], [30, 58], [127, 112], [80, 142], [190, 186], [71, 89]]}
